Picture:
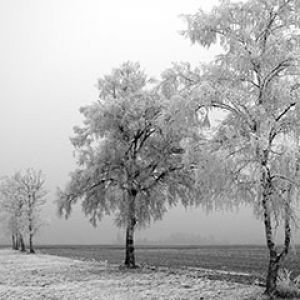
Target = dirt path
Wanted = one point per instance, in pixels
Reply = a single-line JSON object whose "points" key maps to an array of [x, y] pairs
{"points": [[25, 276]]}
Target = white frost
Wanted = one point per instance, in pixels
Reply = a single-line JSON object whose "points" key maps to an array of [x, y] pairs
{"points": [[25, 276]]}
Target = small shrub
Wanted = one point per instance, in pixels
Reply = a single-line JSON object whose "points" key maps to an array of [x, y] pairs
{"points": [[286, 287]]}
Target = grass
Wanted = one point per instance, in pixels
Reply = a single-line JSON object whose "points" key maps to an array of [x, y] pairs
{"points": [[30, 277]]}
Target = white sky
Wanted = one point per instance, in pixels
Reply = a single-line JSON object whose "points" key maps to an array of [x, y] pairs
{"points": [[51, 55]]}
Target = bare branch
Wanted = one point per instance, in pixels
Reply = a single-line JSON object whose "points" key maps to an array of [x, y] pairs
{"points": [[285, 178]]}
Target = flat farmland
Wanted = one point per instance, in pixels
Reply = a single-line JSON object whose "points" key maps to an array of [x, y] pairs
{"points": [[245, 259]]}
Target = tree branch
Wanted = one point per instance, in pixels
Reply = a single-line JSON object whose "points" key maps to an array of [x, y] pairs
{"points": [[290, 180], [285, 111]]}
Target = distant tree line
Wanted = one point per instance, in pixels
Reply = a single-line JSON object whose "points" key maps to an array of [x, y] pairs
{"points": [[181, 238], [22, 197]]}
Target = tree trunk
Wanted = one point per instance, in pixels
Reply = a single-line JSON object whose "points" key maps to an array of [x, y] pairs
{"points": [[22, 243], [130, 256], [30, 238], [17, 242], [31, 243], [273, 261], [266, 199], [13, 240], [276, 259], [272, 274]]}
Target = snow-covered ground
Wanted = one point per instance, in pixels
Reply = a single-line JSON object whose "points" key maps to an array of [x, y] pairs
{"points": [[25, 276]]}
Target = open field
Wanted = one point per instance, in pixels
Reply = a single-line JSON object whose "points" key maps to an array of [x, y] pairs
{"points": [[246, 259]]}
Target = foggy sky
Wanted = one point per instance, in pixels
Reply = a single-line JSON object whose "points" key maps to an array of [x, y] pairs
{"points": [[51, 55]]}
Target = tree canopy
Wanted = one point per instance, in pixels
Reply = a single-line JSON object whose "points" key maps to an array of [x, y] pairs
{"points": [[256, 81], [129, 152]]}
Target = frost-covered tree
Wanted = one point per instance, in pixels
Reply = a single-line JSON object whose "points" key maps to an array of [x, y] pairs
{"points": [[22, 196], [11, 208], [255, 151], [31, 186], [130, 157]]}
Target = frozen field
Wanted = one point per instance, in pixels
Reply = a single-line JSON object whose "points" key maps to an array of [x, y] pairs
{"points": [[41, 276]]}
